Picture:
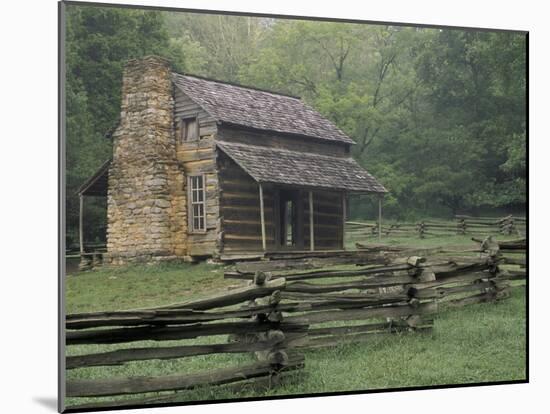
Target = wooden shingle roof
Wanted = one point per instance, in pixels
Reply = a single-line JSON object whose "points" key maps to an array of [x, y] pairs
{"points": [[259, 109], [282, 166]]}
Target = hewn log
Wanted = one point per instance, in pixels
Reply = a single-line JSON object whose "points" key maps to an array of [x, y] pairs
{"points": [[520, 244], [442, 270], [240, 256], [451, 226], [375, 282], [306, 254], [461, 278], [367, 313], [168, 333], [391, 326], [335, 340], [484, 219], [442, 292], [359, 224], [263, 383], [343, 273], [134, 385], [509, 245], [158, 317], [460, 268], [380, 248], [308, 263], [121, 356], [345, 303], [512, 275], [231, 297]]}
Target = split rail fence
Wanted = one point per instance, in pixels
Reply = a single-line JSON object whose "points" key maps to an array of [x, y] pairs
{"points": [[289, 305], [465, 225]]}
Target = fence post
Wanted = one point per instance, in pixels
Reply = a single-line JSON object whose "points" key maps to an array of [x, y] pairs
{"points": [[380, 217], [275, 356], [85, 262], [421, 275], [97, 259], [421, 229], [460, 226]]}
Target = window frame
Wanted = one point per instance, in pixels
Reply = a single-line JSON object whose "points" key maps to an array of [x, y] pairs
{"points": [[190, 203], [184, 129]]}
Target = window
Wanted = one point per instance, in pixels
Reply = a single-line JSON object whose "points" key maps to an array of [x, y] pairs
{"points": [[189, 130], [197, 204]]}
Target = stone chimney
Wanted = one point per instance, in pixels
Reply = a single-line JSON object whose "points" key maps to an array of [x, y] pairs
{"points": [[146, 199]]}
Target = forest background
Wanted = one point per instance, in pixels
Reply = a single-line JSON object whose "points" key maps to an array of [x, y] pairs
{"points": [[438, 115]]}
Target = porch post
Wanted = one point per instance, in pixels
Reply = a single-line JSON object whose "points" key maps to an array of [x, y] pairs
{"points": [[344, 221], [81, 224], [262, 219], [311, 224], [380, 217]]}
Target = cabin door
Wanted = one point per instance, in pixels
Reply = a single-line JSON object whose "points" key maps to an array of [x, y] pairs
{"points": [[290, 220]]}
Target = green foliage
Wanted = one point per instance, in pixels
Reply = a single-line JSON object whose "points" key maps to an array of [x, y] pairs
{"points": [[438, 115], [99, 42]]}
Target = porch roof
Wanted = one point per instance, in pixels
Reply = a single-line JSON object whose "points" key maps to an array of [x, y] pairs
{"points": [[282, 166], [97, 184]]}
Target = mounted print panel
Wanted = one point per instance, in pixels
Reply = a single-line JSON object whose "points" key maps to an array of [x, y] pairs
{"points": [[250, 198]]}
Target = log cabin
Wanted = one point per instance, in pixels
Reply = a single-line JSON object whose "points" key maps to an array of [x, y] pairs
{"points": [[204, 168]]}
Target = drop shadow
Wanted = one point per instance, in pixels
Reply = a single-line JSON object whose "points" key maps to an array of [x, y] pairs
{"points": [[48, 402]]}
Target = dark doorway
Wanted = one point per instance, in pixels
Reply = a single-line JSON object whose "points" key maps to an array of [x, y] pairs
{"points": [[290, 223]]}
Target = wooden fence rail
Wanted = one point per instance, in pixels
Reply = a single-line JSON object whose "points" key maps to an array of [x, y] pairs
{"points": [[509, 225], [289, 305], [256, 326]]}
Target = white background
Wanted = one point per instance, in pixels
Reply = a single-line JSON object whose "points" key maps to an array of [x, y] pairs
{"points": [[28, 217]]}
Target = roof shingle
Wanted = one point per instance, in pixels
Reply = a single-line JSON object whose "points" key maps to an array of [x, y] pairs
{"points": [[258, 109], [281, 166]]}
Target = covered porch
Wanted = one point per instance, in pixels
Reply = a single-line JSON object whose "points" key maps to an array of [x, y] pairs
{"points": [[299, 200], [91, 254]]}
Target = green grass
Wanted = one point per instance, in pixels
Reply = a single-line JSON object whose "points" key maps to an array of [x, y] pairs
{"points": [[428, 241], [142, 286], [480, 343]]}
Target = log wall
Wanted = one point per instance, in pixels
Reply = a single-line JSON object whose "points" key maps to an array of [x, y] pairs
{"points": [[240, 209], [199, 158], [240, 213], [232, 197], [327, 218], [269, 139]]}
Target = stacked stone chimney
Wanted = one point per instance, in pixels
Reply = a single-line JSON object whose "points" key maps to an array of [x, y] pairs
{"points": [[146, 199]]}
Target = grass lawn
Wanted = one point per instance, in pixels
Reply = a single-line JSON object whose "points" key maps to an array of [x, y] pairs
{"points": [[480, 343], [142, 286], [429, 241]]}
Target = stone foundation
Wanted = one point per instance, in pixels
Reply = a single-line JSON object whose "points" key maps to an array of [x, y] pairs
{"points": [[146, 205]]}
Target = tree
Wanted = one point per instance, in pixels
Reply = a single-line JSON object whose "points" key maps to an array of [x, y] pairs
{"points": [[99, 42], [438, 115]]}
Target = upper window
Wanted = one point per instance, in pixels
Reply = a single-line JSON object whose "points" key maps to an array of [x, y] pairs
{"points": [[197, 205], [189, 130]]}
